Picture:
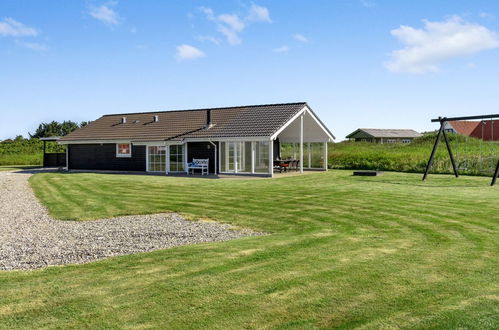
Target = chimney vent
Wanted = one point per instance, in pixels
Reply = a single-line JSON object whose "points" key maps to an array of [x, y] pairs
{"points": [[123, 120], [208, 118], [155, 118]]}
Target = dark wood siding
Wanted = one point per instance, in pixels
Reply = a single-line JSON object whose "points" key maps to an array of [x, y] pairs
{"points": [[103, 157], [202, 150], [54, 159]]}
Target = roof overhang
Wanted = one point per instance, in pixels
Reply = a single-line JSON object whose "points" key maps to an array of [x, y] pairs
{"points": [[50, 138], [93, 141], [305, 110]]}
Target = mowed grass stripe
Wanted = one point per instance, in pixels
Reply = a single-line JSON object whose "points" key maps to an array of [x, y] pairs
{"points": [[343, 252]]}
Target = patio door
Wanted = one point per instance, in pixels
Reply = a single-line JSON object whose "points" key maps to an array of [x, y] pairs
{"points": [[235, 152], [156, 159]]}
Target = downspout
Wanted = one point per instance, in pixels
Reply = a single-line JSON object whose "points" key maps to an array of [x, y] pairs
{"points": [[216, 153]]}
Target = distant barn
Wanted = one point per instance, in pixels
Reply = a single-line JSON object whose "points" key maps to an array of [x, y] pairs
{"points": [[487, 130], [377, 135]]}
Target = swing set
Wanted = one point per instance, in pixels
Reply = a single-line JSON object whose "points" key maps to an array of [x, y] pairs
{"points": [[464, 165]]}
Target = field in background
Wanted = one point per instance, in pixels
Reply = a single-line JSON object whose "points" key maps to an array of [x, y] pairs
{"points": [[413, 157], [342, 251]]}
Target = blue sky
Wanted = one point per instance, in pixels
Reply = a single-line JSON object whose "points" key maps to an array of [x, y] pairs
{"points": [[358, 63]]}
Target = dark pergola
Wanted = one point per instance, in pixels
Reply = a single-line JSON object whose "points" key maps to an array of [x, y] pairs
{"points": [[52, 159], [442, 121]]}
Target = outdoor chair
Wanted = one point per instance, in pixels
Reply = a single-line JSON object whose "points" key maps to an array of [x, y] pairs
{"points": [[297, 165], [285, 166]]}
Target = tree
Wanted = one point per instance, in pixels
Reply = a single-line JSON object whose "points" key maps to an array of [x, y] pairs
{"points": [[55, 128]]}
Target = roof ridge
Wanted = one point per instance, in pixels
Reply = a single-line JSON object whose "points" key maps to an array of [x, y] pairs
{"points": [[205, 109], [390, 129]]}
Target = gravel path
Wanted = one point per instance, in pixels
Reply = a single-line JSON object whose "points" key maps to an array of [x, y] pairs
{"points": [[30, 239]]}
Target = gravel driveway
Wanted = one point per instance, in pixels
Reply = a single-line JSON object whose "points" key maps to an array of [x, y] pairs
{"points": [[30, 239]]}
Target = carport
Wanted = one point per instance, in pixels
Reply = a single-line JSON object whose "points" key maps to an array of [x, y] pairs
{"points": [[53, 159]]}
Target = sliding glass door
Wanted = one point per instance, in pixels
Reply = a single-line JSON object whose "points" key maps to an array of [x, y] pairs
{"points": [[235, 157], [244, 157]]}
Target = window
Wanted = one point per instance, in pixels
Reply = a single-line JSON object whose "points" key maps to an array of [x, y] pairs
{"points": [[156, 159], [246, 154], [223, 157], [316, 155], [391, 141], [406, 141], [177, 158], [235, 157], [262, 157], [243, 157], [123, 150]]}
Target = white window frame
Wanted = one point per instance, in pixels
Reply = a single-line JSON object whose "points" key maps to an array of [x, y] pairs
{"points": [[238, 148], [118, 155], [148, 169], [184, 157]]}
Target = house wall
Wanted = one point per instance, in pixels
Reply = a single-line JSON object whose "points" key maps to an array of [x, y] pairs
{"points": [[202, 150], [103, 157]]}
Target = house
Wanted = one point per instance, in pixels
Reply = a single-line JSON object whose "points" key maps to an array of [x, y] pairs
{"points": [[377, 135], [243, 140], [487, 130]]}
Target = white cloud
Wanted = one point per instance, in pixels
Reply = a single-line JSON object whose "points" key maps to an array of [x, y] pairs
{"points": [[438, 41], [232, 25], [105, 13], [187, 52], [232, 21], [231, 35], [33, 46], [282, 49], [300, 37], [211, 39], [9, 27], [258, 14]]}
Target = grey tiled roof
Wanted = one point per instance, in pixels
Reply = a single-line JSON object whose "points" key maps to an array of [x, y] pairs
{"points": [[385, 133], [243, 121]]}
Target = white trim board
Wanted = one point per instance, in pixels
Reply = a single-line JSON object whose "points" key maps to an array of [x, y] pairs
{"points": [[295, 117], [283, 127]]}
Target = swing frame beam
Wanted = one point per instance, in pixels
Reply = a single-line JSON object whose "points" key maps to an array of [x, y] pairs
{"points": [[441, 131]]}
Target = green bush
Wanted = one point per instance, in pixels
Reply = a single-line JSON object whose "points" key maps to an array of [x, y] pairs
{"points": [[25, 151]]}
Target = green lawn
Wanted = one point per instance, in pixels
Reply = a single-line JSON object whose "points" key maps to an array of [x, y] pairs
{"points": [[344, 251]]}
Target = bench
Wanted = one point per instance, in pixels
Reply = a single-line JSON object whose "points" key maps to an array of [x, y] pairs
{"points": [[198, 164]]}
